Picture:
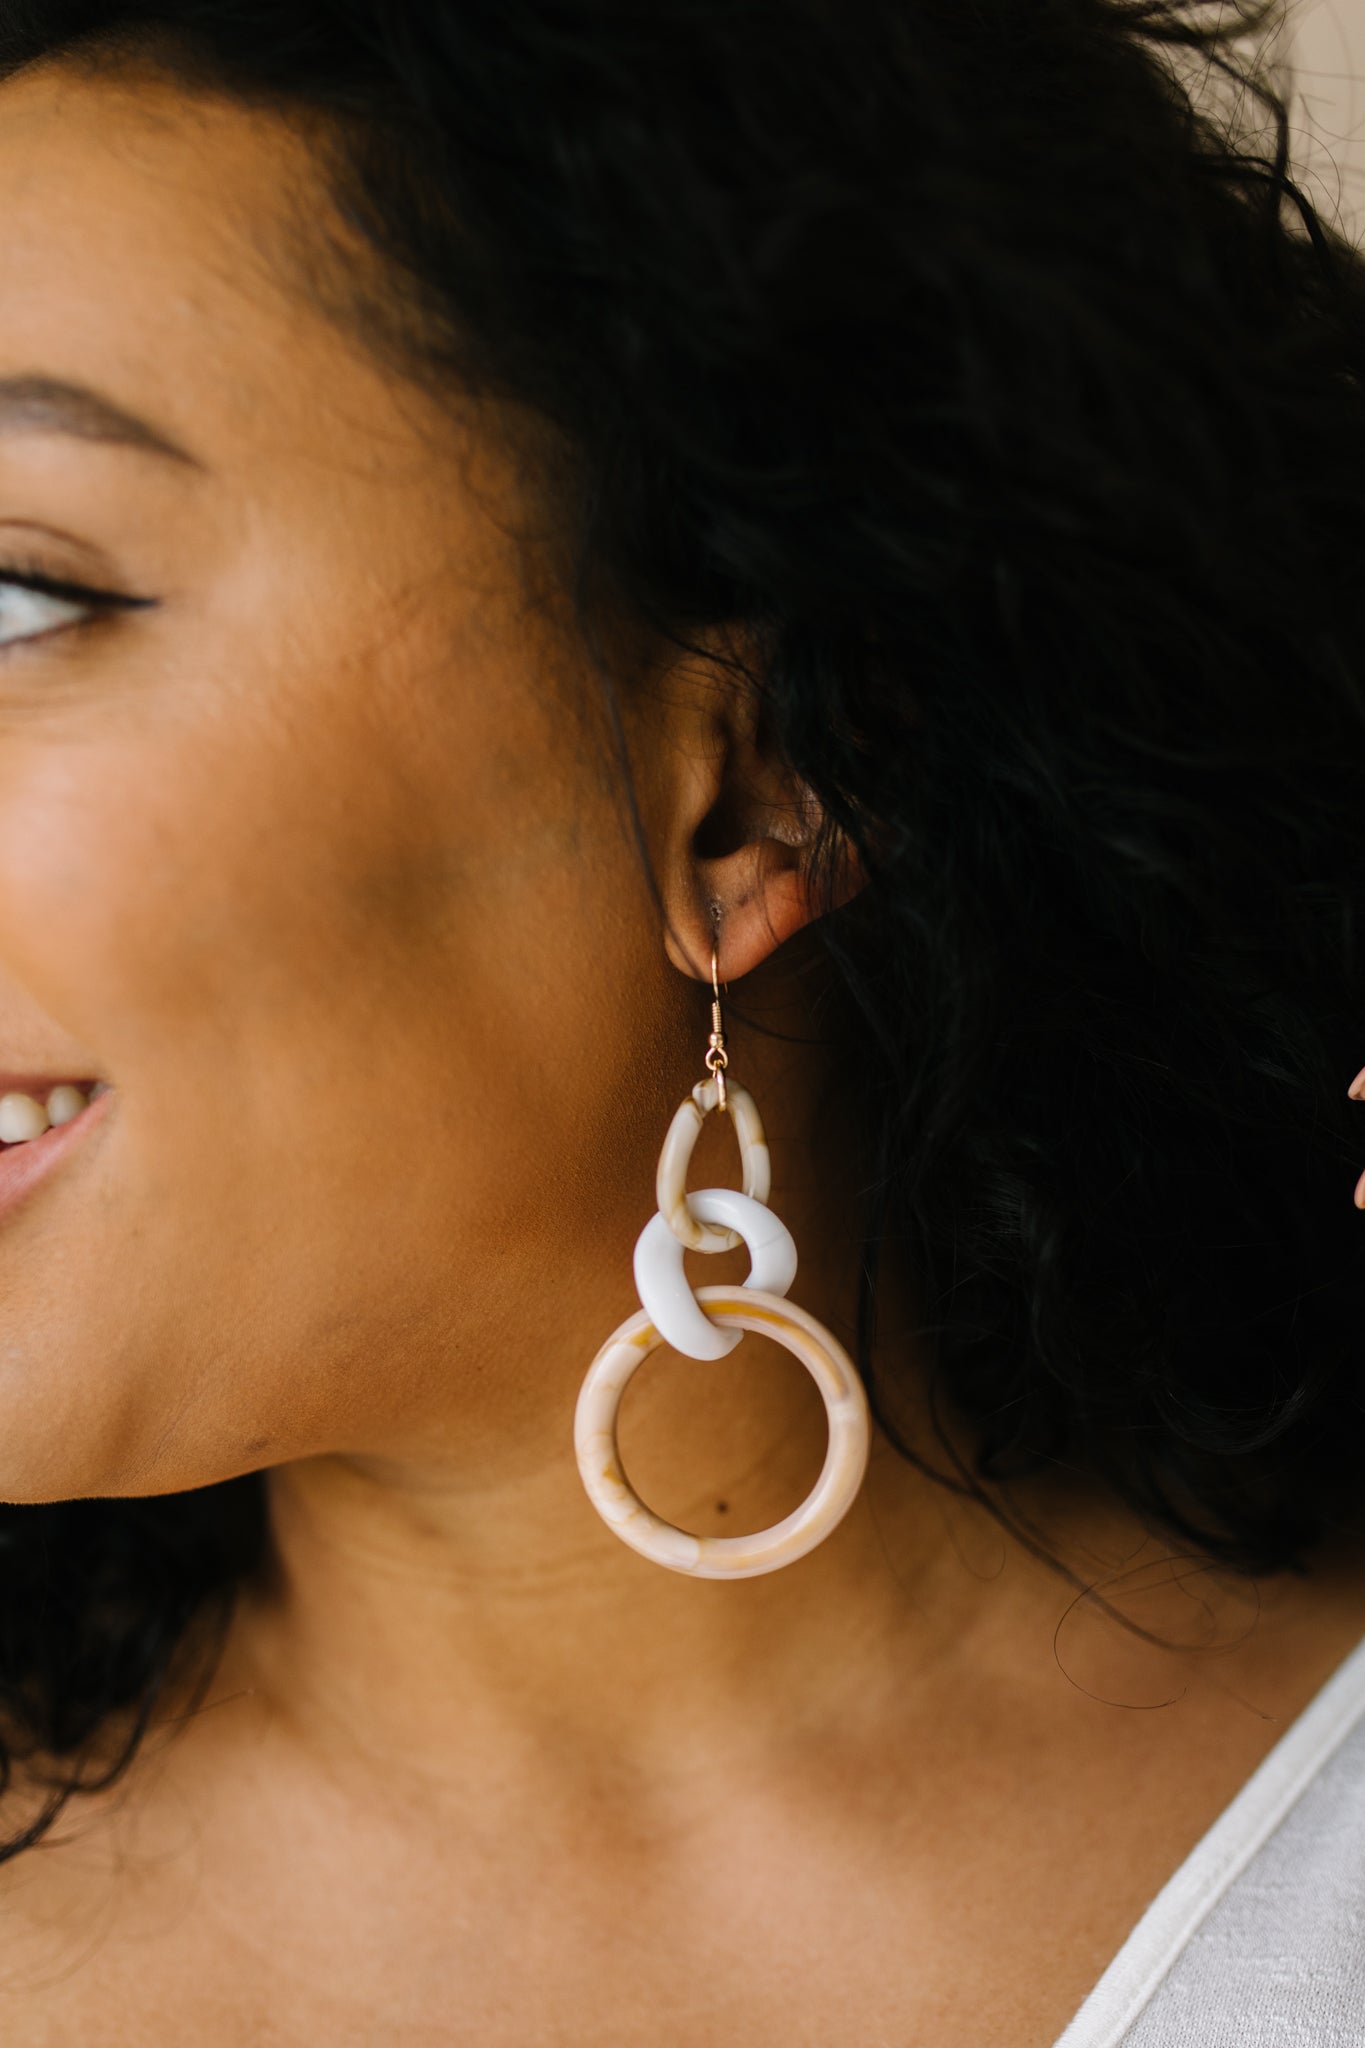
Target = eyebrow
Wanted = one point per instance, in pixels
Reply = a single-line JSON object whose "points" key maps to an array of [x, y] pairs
{"points": [[50, 405]]}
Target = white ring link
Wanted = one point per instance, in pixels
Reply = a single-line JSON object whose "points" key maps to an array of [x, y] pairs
{"points": [[663, 1286], [671, 1179]]}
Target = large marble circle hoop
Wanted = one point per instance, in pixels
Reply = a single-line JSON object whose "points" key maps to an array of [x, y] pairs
{"points": [[725, 1557], [665, 1291], [671, 1179]]}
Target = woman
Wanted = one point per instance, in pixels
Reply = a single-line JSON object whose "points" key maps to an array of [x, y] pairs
{"points": [[519, 525]]}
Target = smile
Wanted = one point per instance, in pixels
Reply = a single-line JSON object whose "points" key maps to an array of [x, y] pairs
{"points": [[27, 1160]]}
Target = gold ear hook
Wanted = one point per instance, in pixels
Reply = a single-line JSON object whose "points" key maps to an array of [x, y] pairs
{"points": [[717, 1058]]}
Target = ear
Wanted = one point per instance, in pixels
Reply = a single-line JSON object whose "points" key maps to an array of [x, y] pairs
{"points": [[738, 822]]}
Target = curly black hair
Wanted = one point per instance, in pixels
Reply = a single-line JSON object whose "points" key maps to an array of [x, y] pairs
{"points": [[988, 365]]}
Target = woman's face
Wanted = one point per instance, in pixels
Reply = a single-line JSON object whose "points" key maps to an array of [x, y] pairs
{"points": [[308, 856]]}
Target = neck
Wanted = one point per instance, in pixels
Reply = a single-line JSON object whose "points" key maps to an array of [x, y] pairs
{"points": [[408, 1600], [469, 1585], [456, 1609]]}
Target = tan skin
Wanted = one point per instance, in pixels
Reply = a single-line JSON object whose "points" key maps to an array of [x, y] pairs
{"points": [[312, 861]]}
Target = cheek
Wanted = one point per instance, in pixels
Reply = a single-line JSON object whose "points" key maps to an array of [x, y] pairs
{"points": [[217, 862], [363, 967]]}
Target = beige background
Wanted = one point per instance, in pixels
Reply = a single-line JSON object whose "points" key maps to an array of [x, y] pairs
{"points": [[1325, 44]]}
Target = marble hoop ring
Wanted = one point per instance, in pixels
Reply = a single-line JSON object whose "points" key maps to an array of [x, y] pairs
{"points": [[665, 1291], [725, 1557], [671, 1180]]}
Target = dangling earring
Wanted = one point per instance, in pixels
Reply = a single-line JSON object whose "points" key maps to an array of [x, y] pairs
{"points": [[710, 1322]]}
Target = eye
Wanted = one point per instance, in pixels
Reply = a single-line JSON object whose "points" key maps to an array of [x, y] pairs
{"points": [[34, 605], [26, 614]]}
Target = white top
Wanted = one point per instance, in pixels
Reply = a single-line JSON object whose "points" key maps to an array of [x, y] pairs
{"points": [[1258, 1941]]}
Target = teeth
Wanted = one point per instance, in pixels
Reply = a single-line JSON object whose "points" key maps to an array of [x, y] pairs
{"points": [[64, 1102], [23, 1117]]}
